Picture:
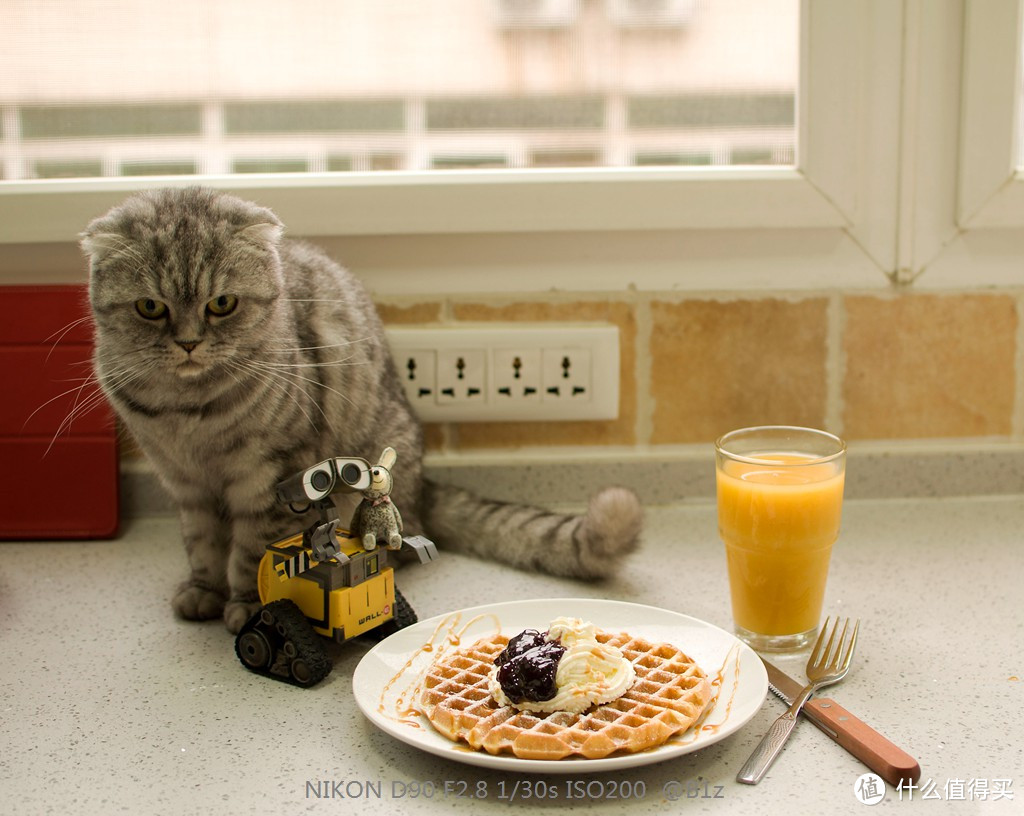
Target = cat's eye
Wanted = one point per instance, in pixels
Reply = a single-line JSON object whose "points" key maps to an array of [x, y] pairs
{"points": [[221, 306], [150, 309]]}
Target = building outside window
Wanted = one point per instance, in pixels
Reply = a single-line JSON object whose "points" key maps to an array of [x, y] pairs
{"points": [[121, 88]]}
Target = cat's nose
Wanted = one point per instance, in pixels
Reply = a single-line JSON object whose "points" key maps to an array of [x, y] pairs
{"points": [[188, 345]]}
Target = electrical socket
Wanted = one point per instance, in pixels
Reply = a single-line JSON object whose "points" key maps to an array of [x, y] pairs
{"points": [[516, 374], [567, 374], [488, 354], [417, 369], [461, 376]]}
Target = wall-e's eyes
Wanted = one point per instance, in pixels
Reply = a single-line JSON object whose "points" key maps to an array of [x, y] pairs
{"points": [[150, 309], [222, 305]]}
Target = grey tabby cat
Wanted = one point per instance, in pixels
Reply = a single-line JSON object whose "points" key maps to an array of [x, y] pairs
{"points": [[236, 358]]}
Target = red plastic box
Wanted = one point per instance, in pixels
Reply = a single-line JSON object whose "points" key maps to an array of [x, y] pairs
{"points": [[58, 479]]}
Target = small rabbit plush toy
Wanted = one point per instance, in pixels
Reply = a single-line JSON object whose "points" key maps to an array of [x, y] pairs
{"points": [[376, 518]]}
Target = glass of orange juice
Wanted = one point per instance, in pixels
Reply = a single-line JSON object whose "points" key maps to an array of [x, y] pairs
{"points": [[780, 497]]}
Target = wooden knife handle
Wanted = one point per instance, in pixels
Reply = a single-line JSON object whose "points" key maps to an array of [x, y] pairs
{"points": [[887, 760]]}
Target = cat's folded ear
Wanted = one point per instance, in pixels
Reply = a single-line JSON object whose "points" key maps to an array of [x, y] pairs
{"points": [[99, 239], [258, 224], [265, 232]]}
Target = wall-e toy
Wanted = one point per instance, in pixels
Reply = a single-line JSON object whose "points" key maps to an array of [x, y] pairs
{"points": [[326, 580]]}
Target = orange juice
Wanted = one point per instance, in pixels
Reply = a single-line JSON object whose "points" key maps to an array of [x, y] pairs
{"points": [[778, 514]]}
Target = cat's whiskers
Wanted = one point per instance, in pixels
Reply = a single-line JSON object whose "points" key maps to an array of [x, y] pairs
{"points": [[79, 406], [76, 389], [301, 349], [78, 410], [282, 371], [83, 383], [343, 361], [311, 300], [84, 402], [271, 380], [62, 332]]}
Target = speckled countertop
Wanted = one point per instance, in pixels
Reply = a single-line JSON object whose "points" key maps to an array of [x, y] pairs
{"points": [[111, 705]]}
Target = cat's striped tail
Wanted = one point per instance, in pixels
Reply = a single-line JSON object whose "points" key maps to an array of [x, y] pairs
{"points": [[591, 545]]}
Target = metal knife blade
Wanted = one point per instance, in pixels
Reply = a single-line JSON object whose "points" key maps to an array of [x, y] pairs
{"points": [[883, 757]]}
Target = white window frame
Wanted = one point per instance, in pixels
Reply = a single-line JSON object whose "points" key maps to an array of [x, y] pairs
{"points": [[991, 184], [965, 199], [833, 217]]}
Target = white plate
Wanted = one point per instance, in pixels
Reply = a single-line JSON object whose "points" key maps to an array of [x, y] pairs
{"points": [[386, 681]]}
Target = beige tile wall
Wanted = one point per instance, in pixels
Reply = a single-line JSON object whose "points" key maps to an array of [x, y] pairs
{"points": [[894, 365]]}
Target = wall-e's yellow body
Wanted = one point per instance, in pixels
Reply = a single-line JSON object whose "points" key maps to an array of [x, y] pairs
{"points": [[341, 601]]}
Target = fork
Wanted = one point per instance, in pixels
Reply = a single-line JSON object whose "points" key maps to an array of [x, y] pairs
{"points": [[825, 666]]}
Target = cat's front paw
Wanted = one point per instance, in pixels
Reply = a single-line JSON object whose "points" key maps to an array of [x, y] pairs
{"points": [[236, 613], [198, 603]]}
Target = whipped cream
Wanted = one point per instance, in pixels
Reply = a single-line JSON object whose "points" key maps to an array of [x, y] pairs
{"points": [[589, 673]]}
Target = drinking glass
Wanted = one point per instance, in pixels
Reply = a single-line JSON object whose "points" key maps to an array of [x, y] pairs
{"points": [[780, 498]]}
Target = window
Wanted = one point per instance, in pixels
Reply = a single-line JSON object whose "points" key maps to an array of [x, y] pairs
{"points": [[370, 85], [843, 168]]}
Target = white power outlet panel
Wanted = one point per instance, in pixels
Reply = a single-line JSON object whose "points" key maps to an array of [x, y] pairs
{"points": [[512, 372]]}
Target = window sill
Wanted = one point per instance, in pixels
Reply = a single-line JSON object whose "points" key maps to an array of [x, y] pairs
{"points": [[445, 202]]}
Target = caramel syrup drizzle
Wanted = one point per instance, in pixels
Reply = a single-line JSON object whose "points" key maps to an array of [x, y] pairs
{"points": [[447, 635], [694, 732]]}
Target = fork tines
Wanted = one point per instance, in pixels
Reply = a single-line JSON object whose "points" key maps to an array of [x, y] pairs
{"points": [[837, 659]]}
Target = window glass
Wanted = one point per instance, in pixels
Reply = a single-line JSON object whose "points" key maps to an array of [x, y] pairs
{"points": [[119, 87]]}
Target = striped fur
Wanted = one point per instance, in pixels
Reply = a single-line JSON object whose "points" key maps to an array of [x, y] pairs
{"points": [[225, 405]]}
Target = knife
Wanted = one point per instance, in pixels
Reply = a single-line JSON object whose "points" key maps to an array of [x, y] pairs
{"points": [[887, 760]]}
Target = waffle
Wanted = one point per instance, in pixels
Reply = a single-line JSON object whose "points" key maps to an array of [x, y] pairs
{"points": [[669, 694]]}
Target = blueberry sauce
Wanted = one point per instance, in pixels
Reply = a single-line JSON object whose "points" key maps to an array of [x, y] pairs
{"points": [[527, 667]]}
